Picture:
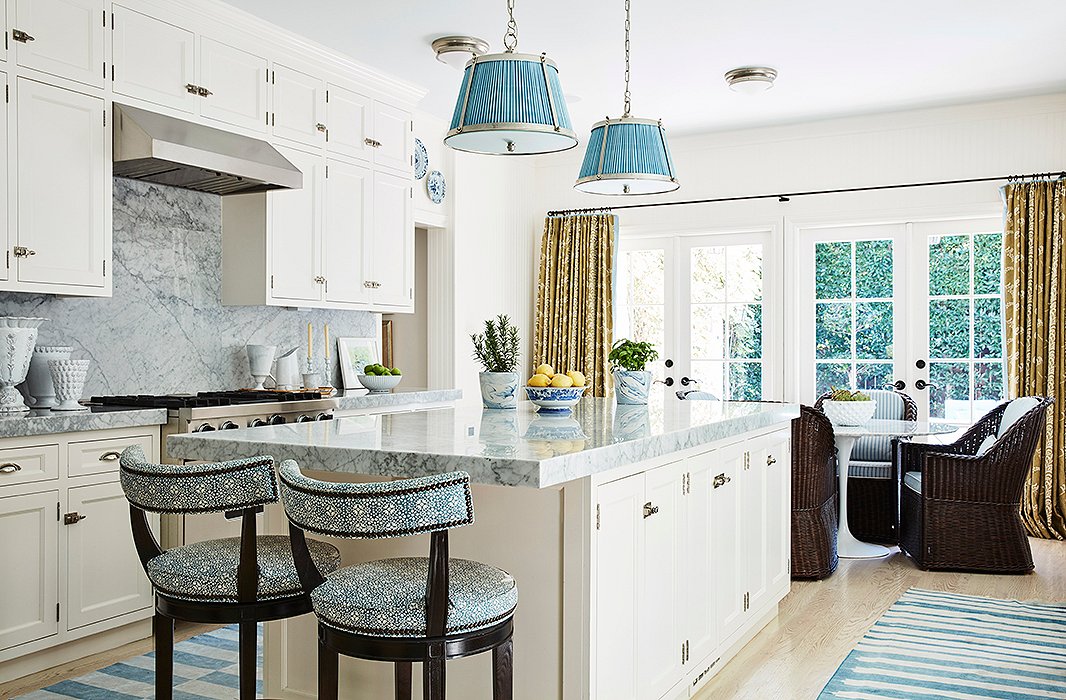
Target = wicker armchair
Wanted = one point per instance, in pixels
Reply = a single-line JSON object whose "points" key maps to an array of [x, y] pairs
{"points": [[960, 507], [873, 480], [814, 484]]}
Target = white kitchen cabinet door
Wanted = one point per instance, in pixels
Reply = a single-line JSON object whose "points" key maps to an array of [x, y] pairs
{"points": [[29, 578], [299, 106], [392, 245], [7, 186], [236, 84], [68, 38], [296, 232], [778, 460], [700, 566], [347, 222], [63, 187], [154, 60], [619, 564], [753, 496], [104, 575], [730, 539], [660, 640], [348, 120], [392, 132]]}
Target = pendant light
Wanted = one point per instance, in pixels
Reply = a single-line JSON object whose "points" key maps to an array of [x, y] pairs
{"points": [[511, 103], [627, 155]]}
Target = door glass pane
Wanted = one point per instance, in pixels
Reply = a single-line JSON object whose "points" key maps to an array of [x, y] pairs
{"points": [[708, 275], [831, 374], [711, 377], [949, 327], [949, 395], [833, 325], [640, 305], [987, 327], [949, 265], [745, 331], [832, 270], [745, 381], [988, 263], [873, 375], [873, 330], [873, 269]]}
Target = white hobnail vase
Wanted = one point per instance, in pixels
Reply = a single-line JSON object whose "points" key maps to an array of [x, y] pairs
{"points": [[849, 413], [40, 390], [69, 379], [18, 335]]}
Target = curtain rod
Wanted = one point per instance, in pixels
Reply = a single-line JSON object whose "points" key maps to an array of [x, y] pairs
{"points": [[786, 196]]}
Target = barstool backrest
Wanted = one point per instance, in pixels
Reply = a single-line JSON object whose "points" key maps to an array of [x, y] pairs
{"points": [[376, 510]]}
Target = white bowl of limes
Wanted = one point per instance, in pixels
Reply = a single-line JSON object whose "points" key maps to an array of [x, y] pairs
{"points": [[380, 379]]}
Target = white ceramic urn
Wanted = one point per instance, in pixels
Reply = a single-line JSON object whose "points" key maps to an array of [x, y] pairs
{"points": [[18, 336], [40, 391]]}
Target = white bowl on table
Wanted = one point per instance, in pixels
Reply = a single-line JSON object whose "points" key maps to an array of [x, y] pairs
{"points": [[379, 384], [849, 413]]}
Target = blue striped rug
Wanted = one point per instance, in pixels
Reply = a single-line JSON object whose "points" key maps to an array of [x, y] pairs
{"points": [[942, 645], [205, 667]]}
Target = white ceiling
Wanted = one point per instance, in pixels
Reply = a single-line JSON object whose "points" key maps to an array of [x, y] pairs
{"points": [[835, 57]]}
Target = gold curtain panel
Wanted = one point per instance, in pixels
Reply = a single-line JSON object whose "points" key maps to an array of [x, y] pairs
{"points": [[1034, 286], [574, 322]]}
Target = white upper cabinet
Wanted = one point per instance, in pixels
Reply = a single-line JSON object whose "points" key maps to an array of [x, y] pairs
{"points": [[296, 233], [64, 38], [234, 85], [393, 142], [63, 188], [29, 535], [348, 121], [299, 107], [391, 255], [348, 218], [154, 61]]}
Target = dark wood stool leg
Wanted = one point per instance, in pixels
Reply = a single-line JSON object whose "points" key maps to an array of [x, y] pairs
{"points": [[247, 651], [503, 671], [163, 631], [327, 673], [403, 680], [433, 679]]}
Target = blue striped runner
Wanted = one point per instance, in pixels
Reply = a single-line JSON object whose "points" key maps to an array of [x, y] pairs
{"points": [[942, 645], [205, 668]]}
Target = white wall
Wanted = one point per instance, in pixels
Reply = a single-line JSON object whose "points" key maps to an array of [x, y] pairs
{"points": [[410, 332]]}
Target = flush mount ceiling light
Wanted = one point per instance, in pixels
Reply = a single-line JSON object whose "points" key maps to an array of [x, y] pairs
{"points": [[457, 50], [751, 80], [511, 103], [627, 155]]}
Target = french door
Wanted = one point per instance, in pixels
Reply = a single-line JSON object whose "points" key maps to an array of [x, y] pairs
{"points": [[710, 305], [917, 306]]}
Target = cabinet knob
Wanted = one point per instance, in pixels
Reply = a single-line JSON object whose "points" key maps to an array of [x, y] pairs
{"points": [[721, 480], [72, 518], [21, 251], [21, 36], [10, 468], [109, 456], [321, 127], [650, 510]]}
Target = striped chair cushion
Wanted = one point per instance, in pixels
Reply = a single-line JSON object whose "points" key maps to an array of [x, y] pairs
{"points": [[871, 470], [913, 480], [207, 571], [387, 598]]}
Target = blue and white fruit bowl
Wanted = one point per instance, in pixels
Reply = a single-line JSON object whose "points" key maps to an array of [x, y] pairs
{"points": [[554, 400]]}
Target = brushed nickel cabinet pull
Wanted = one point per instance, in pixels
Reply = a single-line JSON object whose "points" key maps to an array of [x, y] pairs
{"points": [[109, 456], [321, 127], [72, 518], [770, 461], [721, 480], [203, 92], [368, 284], [192, 89], [650, 510], [320, 279], [21, 36], [10, 468], [22, 251], [368, 141]]}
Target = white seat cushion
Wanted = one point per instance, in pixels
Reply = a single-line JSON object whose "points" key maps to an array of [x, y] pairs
{"points": [[986, 445], [1015, 410], [913, 480]]}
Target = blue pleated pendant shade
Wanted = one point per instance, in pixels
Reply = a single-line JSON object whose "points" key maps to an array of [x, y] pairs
{"points": [[627, 156], [511, 104]]}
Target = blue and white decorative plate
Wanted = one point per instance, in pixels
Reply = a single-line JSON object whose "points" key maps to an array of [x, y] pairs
{"points": [[421, 159], [435, 186]]}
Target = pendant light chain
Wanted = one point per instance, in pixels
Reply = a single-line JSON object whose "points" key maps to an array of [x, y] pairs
{"points": [[627, 96], [510, 38]]}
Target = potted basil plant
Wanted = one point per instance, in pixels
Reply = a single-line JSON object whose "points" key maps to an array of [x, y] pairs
{"points": [[632, 381], [497, 349]]}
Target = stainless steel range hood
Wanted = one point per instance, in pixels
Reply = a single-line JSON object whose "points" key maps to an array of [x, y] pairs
{"points": [[169, 151]]}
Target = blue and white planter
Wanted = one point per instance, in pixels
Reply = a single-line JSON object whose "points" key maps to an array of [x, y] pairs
{"points": [[499, 389], [631, 388]]}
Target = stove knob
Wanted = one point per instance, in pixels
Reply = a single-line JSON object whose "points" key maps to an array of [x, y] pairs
{"points": [[276, 419], [256, 422], [204, 428], [325, 416], [305, 419], [229, 425]]}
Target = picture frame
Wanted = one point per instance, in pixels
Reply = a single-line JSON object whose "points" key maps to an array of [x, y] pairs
{"points": [[353, 354], [387, 358]]}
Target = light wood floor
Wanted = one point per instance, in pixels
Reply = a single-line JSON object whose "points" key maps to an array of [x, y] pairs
{"points": [[794, 656], [820, 621]]}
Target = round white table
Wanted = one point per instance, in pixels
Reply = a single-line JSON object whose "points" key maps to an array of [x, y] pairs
{"points": [[845, 436]]}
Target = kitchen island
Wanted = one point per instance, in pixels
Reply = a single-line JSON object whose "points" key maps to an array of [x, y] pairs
{"points": [[649, 542]]}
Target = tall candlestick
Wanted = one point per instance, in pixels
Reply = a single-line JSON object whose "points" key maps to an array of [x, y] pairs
{"points": [[309, 342], [326, 333]]}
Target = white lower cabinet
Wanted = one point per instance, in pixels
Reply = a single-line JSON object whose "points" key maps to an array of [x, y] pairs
{"points": [[29, 579], [688, 557]]}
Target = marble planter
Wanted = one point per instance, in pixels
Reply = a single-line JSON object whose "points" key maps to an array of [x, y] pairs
{"points": [[499, 389], [69, 379], [18, 335], [631, 388], [40, 390]]}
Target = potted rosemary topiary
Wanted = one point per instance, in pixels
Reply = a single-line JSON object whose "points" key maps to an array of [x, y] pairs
{"points": [[632, 381], [848, 408], [497, 350]]}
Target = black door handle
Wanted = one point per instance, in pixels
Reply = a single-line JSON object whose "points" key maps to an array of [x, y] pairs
{"points": [[899, 384], [922, 384], [685, 381]]}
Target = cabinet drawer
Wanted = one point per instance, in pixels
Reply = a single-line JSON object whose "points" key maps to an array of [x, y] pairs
{"points": [[101, 456], [21, 465]]}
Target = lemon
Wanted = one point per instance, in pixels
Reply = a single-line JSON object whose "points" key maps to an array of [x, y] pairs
{"points": [[578, 377], [561, 381], [546, 370], [538, 380]]}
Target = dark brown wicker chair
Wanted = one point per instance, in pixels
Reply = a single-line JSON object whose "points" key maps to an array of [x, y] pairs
{"points": [[960, 510], [814, 485], [873, 478]]}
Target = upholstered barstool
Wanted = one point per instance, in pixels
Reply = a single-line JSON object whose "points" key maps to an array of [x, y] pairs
{"points": [[243, 580], [405, 610]]}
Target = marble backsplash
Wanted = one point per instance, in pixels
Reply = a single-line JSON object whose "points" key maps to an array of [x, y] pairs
{"points": [[165, 329]]}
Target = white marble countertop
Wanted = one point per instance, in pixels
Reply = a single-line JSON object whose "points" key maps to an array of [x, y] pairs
{"points": [[45, 422], [509, 448], [356, 399]]}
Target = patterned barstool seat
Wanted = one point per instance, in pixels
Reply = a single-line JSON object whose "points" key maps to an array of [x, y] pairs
{"points": [[407, 609], [245, 580]]}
